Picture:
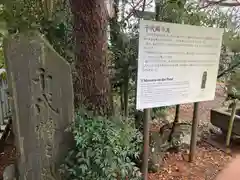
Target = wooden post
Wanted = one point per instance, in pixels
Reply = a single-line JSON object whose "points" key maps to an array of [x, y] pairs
{"points": [[176, 120], [2, 115], [231, 121], [177, 113], [157, 11], [194, 132], [146, 127]]}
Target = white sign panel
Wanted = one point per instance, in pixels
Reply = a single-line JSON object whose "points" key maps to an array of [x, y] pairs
{"points": [[177, 63]]}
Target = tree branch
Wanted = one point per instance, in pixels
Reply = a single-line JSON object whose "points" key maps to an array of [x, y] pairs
{"points": [[228, 70], [132, 11], [221, 3], [144, 5]]}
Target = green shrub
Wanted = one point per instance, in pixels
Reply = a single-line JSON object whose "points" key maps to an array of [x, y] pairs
{"points": [[160, 112], [103, 150]]}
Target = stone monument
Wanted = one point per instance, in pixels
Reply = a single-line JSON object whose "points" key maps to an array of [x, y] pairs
{"points": [[41, 92]]}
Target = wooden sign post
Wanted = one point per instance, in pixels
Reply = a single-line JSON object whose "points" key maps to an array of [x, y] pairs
{"points": [[195, 122], [174, 68], [146, 127]]}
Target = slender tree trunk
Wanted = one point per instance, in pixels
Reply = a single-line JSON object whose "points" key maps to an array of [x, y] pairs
{"points": [[91, 81], [126, 92], [122, 98]]}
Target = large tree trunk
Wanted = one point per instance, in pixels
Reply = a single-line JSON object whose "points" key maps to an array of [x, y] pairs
{"points": [[91, 82]]}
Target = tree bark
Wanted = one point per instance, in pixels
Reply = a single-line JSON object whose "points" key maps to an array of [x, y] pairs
{"points": [[91, 81]]}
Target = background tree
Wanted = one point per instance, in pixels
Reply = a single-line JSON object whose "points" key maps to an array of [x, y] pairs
{"points": [[77, 29], [53, 18], [91, 83]]}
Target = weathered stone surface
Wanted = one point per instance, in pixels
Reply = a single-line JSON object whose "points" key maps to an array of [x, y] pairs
{"points": [[40, 84], [9, 172], [160, 143], [158, 148], [220, 118], [181, 136]]}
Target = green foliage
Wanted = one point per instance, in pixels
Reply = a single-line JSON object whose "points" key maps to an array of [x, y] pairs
{"points": [[232, 41], [50, 17], [1, 58], [233, 86], [27, 14], [3, 28], [103, 151], [159, 112], [21, 15], [124, 45]]}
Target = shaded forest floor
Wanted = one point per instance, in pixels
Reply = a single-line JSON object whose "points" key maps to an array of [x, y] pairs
{"points": [[208, 159]]}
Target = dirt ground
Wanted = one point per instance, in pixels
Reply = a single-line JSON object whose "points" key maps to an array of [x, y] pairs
{"points": [[207, 164], [186, 110], [208, 159]]}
